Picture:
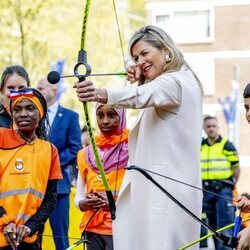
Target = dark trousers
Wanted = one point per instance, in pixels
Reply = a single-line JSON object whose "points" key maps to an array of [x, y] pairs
{"points": [[59, 222], [99, 241], [220, 212], [24, 246]]}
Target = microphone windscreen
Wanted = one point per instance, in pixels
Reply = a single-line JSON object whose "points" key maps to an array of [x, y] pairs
{"points": [[53, 77]]}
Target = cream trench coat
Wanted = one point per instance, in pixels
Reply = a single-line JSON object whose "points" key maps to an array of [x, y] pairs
{"points": [[166, 139]]}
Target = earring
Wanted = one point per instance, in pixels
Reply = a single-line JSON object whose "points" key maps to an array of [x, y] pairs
{"points": [[168, 59]]}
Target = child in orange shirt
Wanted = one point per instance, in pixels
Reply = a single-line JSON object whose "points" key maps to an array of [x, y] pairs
{"points": [[29, 172], [112, 143]]}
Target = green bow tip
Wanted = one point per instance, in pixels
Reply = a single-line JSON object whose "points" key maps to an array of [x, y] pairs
{"points": [[209, 235]]}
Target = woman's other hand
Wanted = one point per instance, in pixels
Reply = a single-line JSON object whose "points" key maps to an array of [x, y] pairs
{"points": [[134, 74]]}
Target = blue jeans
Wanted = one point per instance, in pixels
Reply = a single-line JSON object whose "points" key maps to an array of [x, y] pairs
{"points": [[220, 212]]}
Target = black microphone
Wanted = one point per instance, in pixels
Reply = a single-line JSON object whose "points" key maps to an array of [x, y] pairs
{"points": [[53, 77]]}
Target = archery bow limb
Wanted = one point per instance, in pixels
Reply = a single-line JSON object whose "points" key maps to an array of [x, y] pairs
{"points": [[77, 243], [229, 241], [82, 61], [209, 235]]}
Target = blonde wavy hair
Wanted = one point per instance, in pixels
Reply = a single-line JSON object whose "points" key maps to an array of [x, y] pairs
{"points": [[160, 39]]}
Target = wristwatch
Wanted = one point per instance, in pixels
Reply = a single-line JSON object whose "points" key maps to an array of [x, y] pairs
{"points": [[2, 211]]}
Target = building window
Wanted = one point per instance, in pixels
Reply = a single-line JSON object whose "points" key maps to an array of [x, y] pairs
{"points": [[162, 21], [186, 24], [192, 25]]}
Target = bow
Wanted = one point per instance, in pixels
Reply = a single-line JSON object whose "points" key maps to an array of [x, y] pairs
{"points": [[82, 61], [231, 241], [53, 77], [77, 243]]}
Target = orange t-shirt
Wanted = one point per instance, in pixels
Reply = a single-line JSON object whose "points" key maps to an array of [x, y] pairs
{"points": [[10, 141], [25, 169], [101, 222]]}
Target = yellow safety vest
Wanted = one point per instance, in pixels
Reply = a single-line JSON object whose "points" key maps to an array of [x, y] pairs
{"points": [[216, 161]]}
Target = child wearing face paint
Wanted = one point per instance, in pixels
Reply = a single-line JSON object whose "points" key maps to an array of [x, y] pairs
{"points": [[29, 172], [244, 202], [96, 224]]}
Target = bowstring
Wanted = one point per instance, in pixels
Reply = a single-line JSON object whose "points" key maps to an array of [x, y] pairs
{"points": [[87, 117], [120, 36], [59, 236], [190, 185], [125, 84], [65, 237]]}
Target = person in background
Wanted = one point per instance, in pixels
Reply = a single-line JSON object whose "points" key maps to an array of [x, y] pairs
{"points": [[112, 143], [220, 171], [29, 172], [85, 137], [85, 143], [65, 134], [243, 201], [164, 139], [13, 78], [246, 95]]}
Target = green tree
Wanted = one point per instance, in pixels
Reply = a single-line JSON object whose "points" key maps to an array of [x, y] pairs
{"points": [[18, 21], [36, 33]]}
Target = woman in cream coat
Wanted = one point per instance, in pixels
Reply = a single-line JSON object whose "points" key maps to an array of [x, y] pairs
{"points": [[165, 139]]}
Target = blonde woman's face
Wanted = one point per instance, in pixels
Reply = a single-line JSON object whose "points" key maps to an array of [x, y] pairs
{"points": [[13, 82], [150, 59]]}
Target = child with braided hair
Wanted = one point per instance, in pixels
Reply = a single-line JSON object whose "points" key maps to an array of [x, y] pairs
{"points": [[29, 172]]}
